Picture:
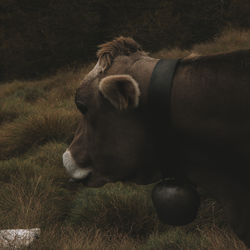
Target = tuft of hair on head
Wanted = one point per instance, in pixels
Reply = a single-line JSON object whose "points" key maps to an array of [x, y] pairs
{"points": [[118, 47]]}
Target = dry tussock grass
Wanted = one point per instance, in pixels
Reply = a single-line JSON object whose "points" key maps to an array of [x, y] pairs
{"points": [[47, 155], [7, 115], [127, 208], [31, 201], [175, 239], [9, 88], [12, 108], [19, 136], [65, 237], [173, 53], [227, 41], [209, 238], [37, 121], [222, 239]]}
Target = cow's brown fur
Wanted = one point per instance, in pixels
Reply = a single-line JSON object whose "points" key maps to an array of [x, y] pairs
{"points": [[210, 136]]}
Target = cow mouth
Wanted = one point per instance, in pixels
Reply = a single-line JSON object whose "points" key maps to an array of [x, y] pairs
{"points": [[83, 181], [94, 179], [90, 181]]}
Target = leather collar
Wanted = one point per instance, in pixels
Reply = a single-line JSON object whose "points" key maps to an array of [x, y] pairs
{"points": [[159, 101], [160, 88]]}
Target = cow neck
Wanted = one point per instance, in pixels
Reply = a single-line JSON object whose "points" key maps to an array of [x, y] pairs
{"points": [[159, 103]]}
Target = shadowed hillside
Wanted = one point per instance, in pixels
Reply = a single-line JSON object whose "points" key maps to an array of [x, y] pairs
{"points": [[37, 121], [38, 37]]}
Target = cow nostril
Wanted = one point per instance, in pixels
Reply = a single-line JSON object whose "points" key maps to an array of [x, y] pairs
{"points": [[73, 169]]}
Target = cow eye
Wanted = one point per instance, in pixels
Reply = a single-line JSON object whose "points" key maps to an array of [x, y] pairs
{"points": [[82, 107], [80, 103]]}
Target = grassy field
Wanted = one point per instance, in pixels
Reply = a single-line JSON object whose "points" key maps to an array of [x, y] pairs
{"points": [[37, 122]]}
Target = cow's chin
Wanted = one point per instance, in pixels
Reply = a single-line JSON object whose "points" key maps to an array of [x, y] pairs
{"points": [[94, 180], [91, 181]]}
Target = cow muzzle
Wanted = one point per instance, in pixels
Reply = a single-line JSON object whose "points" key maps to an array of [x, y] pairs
{"points": [[75, 172]]}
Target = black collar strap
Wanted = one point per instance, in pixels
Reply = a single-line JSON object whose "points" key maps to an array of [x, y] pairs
{"points": [[159, 101], [160, 88]]}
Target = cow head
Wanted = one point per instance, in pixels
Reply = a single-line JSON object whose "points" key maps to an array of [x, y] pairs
{"points": [[112, 142]]}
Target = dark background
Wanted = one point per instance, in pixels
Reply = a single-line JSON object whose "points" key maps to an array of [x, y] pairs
{"points": [[39, 36]]}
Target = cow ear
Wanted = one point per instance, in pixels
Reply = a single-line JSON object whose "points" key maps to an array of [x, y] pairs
{"points": [[121, 90]]}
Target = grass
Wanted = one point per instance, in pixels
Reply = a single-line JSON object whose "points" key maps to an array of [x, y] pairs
{"points": [[19, 136], [127, 208], [37, 122], [229, 40]]}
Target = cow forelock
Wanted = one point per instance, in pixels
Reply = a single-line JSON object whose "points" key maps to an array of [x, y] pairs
{"points": [[72, 168]]}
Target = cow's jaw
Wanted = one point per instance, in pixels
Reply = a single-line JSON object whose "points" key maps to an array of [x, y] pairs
{"points": [[73, 169]]}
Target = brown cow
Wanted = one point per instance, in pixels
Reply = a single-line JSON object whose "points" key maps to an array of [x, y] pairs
{"points": [[207, 142]]}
